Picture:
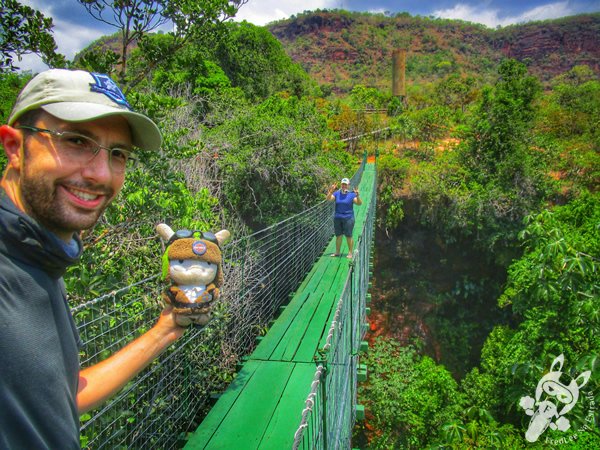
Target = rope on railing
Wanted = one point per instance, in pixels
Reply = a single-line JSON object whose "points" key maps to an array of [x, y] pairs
{"points": [[310, 403]]}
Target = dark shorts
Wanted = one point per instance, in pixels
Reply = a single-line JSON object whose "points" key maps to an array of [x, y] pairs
{"points": [[343, 226]]}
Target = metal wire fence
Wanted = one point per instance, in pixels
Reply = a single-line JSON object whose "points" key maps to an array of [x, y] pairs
{"points": [[169, 399], [329, 413]]}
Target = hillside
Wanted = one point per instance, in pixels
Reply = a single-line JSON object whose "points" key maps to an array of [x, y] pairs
{"points": [[341, 49]]}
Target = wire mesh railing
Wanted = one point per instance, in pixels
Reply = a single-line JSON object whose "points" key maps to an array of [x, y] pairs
{"points": [[170, 398], [329, 414]]}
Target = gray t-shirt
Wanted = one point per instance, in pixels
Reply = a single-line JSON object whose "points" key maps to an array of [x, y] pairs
{"points": [[39, 342]]}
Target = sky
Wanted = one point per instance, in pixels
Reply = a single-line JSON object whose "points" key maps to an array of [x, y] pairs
{"points": [[74, 28]]}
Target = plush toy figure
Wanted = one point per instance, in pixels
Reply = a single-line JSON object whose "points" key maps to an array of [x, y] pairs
{"points": [[192, 263]]}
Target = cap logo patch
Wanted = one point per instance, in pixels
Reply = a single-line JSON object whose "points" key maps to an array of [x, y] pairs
{"points": [[108, 87], [199, 248]]}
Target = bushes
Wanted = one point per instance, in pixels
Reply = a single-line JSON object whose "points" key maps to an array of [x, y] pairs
{"points": [[273, 165], [409, 397]]}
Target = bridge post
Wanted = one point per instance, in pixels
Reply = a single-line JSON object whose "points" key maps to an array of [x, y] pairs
{"points": [[324, 397]]}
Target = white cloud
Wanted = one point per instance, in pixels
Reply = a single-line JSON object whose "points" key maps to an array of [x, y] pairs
{"points": [[492, 17], [378, 11], [70, 39], [70, 36], [261, 12], [549, 11]]}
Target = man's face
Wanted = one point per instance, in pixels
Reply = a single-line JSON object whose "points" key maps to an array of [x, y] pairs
{"points": [[64, 195], [344, 187]]}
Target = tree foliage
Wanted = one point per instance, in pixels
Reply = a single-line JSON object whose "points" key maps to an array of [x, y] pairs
{"points": [[496, 177], [498, 145], [134, 20], [24, 30], [554, 292], [408, 397], [272, 163], [255, 61], [391, 172]]}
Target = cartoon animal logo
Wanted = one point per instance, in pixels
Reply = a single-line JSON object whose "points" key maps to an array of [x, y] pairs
{"points": [[553, 400], [192, 263]]}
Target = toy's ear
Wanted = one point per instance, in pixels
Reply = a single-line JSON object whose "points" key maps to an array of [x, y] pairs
{"points": [[164, 231], [222, 236]]}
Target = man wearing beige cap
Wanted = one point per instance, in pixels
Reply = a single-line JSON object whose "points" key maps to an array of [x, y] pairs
{"points": [[69, 141]]}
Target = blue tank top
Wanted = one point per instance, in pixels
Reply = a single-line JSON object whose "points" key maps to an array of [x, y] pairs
{"points": [[344, 204]]}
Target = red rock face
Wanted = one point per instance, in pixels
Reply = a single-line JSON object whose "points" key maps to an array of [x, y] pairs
{"points": [[554, 48], [335, 46]]}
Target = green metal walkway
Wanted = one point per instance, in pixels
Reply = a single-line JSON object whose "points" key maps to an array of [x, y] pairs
{"points": [[264, 405]]}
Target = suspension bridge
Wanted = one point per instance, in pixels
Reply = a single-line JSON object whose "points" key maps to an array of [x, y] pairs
{"points": [[277, 367]]}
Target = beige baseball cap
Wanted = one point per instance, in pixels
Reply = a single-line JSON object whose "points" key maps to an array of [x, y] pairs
{"points": [[78, 96]]}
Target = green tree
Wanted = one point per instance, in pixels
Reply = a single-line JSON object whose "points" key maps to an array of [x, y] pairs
{"points": [[408, 397], [10, 86], [498, 144], [132, 18], [456, 91], [257, 63], [24, 30], [554, 293], [367, 98], [272, 159], [191, 19], [495, 178], [391, 172]]}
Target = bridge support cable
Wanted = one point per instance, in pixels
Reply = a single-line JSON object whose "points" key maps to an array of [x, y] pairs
{"points": [[171, 397], [328, 423]]}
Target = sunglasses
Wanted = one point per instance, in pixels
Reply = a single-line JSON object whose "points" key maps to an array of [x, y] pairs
{"points": [[183, 234]]}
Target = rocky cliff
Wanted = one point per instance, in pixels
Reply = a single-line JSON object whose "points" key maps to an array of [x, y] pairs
{"points": [[341, 48], [553, 47]]}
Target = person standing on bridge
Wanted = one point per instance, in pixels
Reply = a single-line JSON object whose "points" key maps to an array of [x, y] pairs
{"points": [[69, 142], [343, 219]]}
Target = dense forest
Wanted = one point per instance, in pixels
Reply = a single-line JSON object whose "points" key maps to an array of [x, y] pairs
{"points": [[490, 153]]}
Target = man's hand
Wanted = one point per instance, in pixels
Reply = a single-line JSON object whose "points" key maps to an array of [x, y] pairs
{"points": [[168, 323]]}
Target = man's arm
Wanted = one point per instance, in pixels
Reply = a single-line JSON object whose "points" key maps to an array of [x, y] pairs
{"points": [[101, 381]]}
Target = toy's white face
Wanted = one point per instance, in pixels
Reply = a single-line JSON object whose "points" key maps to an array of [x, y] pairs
{"points": [[192, 272]]}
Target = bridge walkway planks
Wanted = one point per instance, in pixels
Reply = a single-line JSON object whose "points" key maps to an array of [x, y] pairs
{"points": [[262, 407]]}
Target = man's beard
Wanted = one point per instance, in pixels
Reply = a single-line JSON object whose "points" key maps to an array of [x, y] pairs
{"points": [[42, 202]]}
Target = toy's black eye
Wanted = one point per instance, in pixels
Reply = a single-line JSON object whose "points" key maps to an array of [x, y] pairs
{"points": [[181, 261]]}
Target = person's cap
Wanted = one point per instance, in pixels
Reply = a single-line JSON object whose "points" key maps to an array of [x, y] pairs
{"points": [[78, 96], [345, 181]]}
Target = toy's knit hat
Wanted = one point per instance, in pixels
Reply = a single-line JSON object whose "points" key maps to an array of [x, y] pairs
{"points": [[194, 248], [199, 249]]}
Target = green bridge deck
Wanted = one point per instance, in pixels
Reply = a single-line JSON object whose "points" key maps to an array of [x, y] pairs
{"points": [[262, 407]]}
